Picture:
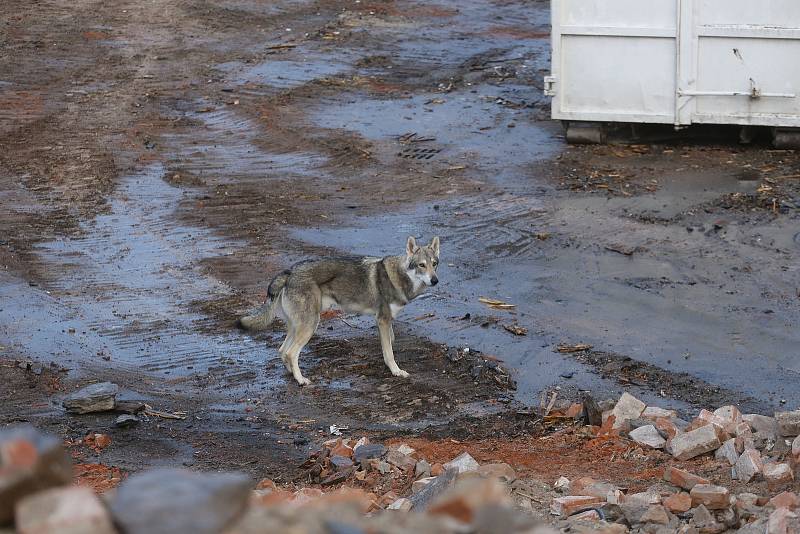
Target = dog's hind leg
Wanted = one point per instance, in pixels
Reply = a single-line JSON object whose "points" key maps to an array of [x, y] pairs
{"points": [[284, 350], [302, 335], [387, 337]]}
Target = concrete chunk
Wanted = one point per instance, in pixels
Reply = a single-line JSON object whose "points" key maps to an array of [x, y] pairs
{"points": [[648, 436], [628, 407], [730, 414], [710, 496], [694, 443], [761, 423], [463, 463], [788, 423], [164, 501], [778, 473], [748, 465], [729, 452], [30, 461], [67, 510]]}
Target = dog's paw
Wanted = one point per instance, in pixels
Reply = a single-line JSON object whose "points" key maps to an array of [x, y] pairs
{"points": [[401, 373], [303, 381]]}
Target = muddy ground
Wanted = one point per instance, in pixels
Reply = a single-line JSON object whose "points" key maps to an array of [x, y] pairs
{"points": [[160, 160]]}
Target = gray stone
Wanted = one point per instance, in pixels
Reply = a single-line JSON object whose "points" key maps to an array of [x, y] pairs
{"points": [[67, 510], [462, 463], [125, 421], [762, 423], [422, 469], [628, 407], [167, 501], [369, 451], [30, 461], [420, 501], [728, 452], [340, 463], [699, 441], [129, 406], [788, 423], [748, 465], [648, 436], [100, 397]]}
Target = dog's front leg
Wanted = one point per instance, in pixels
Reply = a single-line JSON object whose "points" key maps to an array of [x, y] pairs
{"points": [[387, 335]]}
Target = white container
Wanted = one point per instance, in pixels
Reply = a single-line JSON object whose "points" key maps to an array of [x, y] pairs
{"points": [[677, 62]]}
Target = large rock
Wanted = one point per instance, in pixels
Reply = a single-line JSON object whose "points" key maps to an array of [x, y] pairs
{"points": [[422, 500], [167, 501], [369, 451], [694, 443], [464, 462], [788, 423], [778, 473], [100, 397], [30, 461], [748, 465], [67, 510], [762, 423], [648, 436], [628, 407]]}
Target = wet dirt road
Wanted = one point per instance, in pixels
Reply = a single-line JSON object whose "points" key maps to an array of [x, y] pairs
{"points": [[161, 161]]}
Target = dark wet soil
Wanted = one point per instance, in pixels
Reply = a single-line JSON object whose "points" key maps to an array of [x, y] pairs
{"points": [[161, 161]]}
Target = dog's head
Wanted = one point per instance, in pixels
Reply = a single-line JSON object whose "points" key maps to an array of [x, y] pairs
{"points": [[422, 262]]}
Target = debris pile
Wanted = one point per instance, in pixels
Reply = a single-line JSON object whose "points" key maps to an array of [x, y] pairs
{"points": [[36, 496], [746, 448]]}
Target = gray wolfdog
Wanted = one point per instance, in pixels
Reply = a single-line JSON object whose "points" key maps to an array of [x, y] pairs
{"points": [[363, 285]]}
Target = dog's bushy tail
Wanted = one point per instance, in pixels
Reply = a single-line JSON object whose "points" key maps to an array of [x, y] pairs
{"points": [[263, 316]]}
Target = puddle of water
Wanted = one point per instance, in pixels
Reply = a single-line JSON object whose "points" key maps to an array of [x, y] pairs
{"points": [[125, 292], [468, 125], [286, 73]]}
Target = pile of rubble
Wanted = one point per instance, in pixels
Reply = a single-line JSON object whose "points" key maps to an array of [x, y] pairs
{"points": [[749, 485], [36, 496], [752, 446]]}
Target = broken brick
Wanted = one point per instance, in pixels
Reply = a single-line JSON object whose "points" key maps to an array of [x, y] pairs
{"points": [[70, 509], [683, 479], [710, 496], [678, 503], [566, 506], [729, 414], [653, 413], [779, 522], [694, 443], [729, 451], [655, 514], [787, 499], [667, 428], [647, 436]]}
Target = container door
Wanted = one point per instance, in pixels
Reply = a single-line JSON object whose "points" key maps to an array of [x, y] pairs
{"points": [[739, 62], [614, 60]]}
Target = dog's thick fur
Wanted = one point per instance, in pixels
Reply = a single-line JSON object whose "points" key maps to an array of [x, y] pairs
{"points": [[367, 286]]}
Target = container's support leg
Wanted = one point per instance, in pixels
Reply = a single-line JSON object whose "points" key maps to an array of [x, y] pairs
{"points": [[786, 138], [585, 133]]}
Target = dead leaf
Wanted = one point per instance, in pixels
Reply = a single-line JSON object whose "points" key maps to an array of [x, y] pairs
{"points": [[579, 347], [497, 304], [516, 329]]}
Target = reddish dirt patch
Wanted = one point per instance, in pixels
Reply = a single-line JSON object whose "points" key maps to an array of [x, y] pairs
{"points": [[571, 452], [99, 477]]}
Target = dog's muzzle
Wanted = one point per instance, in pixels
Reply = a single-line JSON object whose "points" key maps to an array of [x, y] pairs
{"points": [[434, 281]]}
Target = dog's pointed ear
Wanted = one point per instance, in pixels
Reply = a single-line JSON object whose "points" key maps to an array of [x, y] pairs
{"points": [[435, 245], [411, 246]]}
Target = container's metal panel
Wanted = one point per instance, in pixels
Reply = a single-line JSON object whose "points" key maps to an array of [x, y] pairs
{"points": [[677, 61], [604, 66], [614, 58]]}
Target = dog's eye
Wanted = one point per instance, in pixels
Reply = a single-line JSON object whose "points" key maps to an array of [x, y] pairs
{"points": [[435, 264], [421, 265]]}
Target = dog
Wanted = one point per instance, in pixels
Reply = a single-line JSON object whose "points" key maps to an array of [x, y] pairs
{"points": [[363, 285]]}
